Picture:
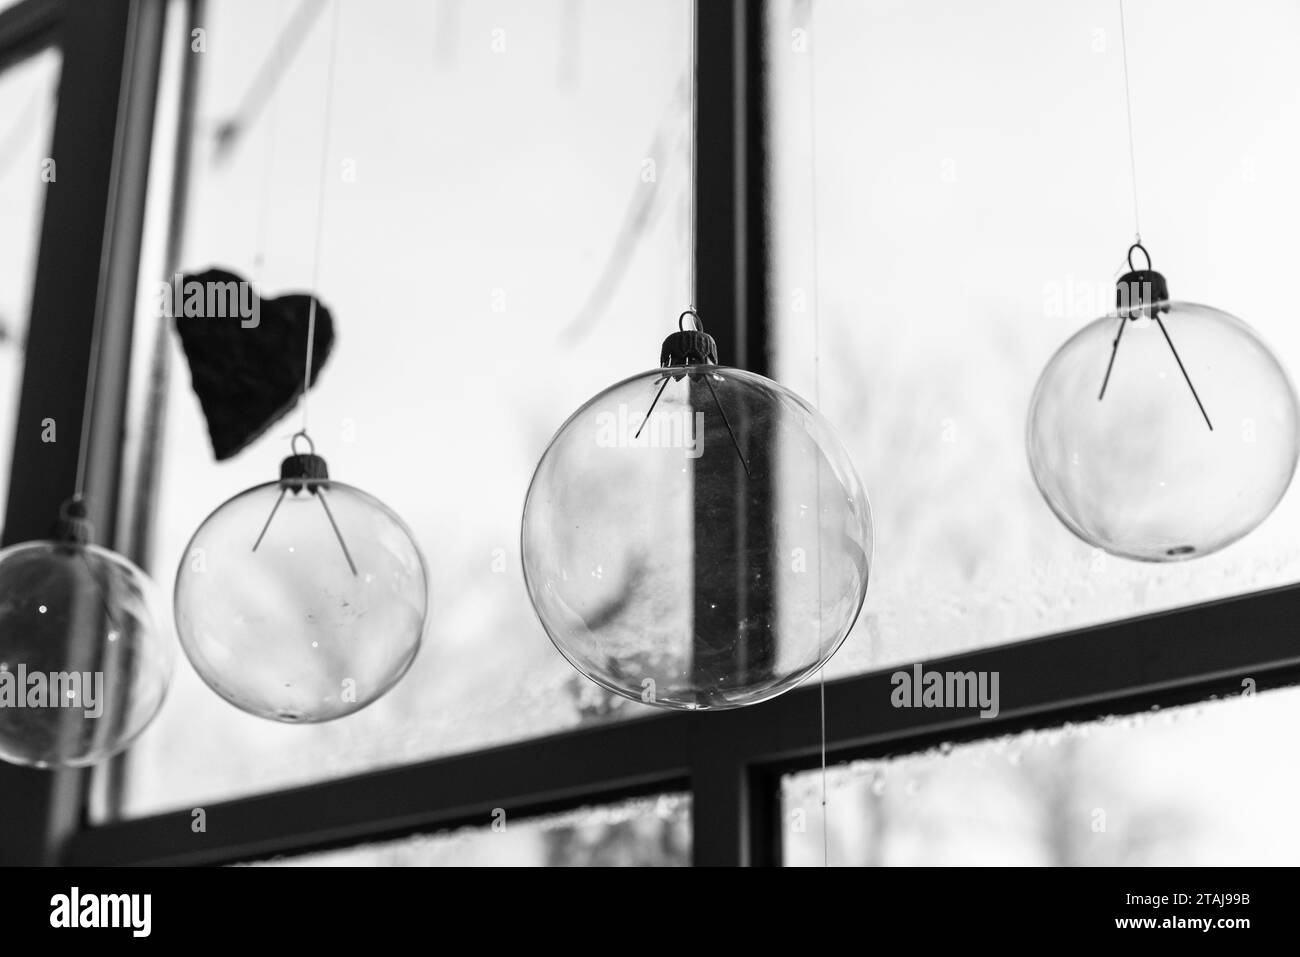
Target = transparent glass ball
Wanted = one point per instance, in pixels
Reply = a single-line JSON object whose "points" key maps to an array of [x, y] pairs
{"points": [[1139, 472], [709, 555], [85, 655], [318, 620]]}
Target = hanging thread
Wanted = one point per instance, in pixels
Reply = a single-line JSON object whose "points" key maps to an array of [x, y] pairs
{"points": [[1137, 244], [1128, 106], [320, 212], [691, 188]]}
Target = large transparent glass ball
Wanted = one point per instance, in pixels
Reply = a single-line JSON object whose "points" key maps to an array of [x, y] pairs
{"points": [[318, 620], [1139, 472], [85, 655], [708, 554]]}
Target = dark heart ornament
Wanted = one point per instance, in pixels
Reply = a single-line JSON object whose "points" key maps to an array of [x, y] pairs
{"points": [[245, 353]]}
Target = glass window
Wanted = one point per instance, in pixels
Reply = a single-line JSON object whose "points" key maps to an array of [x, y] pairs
{"points": [[1186, 787], [972, 207], [503, 237], [648, 832], [27, 105]]}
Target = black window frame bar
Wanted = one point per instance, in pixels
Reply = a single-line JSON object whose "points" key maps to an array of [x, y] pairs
{"points": [[731, 762]]}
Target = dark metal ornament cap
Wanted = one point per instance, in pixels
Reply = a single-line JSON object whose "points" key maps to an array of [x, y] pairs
{"points": [[72, 526], [689, 347], [1141, 292], [298, 469]]}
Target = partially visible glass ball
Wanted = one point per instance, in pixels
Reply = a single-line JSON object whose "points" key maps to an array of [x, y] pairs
{"points": [[322, 618], [1139, 473], [85, 655], [708, 554]]}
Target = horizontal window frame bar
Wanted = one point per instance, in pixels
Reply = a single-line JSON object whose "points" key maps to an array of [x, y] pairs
{"points": [[1117, 667]]}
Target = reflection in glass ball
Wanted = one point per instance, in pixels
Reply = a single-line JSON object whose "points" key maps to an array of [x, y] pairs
{"points": [[707, 553], [301, 600], [1140, 472], [85, 657]]}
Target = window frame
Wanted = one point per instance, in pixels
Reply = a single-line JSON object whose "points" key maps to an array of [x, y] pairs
{"points": [[86, 268], [729, 762]]}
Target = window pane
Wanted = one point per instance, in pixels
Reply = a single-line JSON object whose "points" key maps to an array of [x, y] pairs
{"points": [[651, 832], [1194, 787], [492, 168], [969, 220], [27, 106]]}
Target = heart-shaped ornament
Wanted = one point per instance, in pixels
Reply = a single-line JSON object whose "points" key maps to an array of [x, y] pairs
{"points": [[246, 354]]}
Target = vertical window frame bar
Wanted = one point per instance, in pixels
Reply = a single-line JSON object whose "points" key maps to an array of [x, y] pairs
{"points": [[88, 260]]}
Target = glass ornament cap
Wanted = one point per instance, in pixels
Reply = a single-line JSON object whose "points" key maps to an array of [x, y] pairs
{"points": [[695, 537], [302, 600], [85, 653], [1165, 431]]}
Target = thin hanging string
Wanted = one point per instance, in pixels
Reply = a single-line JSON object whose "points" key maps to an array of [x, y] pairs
{"points": [[694, 79], [1128, 106], [320, 211], [817, 384]]}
